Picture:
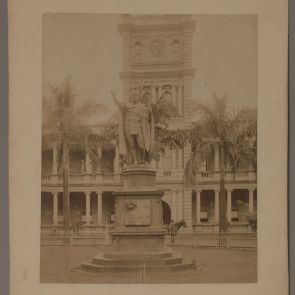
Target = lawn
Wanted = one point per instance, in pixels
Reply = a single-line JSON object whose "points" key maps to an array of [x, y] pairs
{"points": [[212, 266]]}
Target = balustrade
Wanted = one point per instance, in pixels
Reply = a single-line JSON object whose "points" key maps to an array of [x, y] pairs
{"points": [[203, 176], [81, 179]]}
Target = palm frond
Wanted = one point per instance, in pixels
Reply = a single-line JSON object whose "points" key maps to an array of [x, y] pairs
{"points": [[200, 153], [64, 121], [163, 110]]}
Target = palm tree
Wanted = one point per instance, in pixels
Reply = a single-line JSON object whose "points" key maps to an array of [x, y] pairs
{"points": [[163, 111], [63, 125], [234, 135]]}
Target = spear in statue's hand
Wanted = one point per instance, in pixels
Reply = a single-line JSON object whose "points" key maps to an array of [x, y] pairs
{"points": [[119, 104], [114, 97], [113, 94]]}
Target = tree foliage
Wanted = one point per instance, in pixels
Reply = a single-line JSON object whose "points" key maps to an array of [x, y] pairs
{"points": [[233, 134], [63, 120], [216, 126], [63, 126]]}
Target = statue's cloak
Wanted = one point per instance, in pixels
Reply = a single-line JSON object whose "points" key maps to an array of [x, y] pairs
{"points": [[123, 145], [145, 136]]}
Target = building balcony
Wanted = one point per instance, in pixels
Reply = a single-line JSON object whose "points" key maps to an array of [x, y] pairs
{"points": [[207, 176], [214, 176], [162, 177], [105, 179], [82, 179]]}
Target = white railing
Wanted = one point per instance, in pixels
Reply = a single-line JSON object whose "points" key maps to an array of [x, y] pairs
{"points": [[46, 177], [82, 179], [162, 176], [225, 239], [75, 240], [209, 176], [169, 175], [200, 239]]}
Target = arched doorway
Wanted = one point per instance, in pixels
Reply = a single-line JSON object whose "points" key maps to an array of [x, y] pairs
{"points": [[166, 213]]}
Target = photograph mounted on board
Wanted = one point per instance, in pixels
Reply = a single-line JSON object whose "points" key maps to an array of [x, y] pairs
{"points": [[149, 148]]}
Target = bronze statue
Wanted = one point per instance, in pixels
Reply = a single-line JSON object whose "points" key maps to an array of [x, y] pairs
{"points": [[136, 130]]}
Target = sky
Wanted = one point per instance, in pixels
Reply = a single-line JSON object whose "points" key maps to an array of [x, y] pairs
{"points": [[88, 48]]}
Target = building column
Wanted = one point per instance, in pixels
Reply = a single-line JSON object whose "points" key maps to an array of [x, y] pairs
{"points": [[216, 157], [198, 206], [180, 158], [174, 97], [180, 205], [55, 208], [173, 205], [251, 200], [186, 95], [173, 159], [99, 207], [117, 160], [187, 208], [217, 206], [180, 100], [54, 159], [88, 164], [98, 168], [87, 194], [187, 149], [228, 207], [161, 166]]}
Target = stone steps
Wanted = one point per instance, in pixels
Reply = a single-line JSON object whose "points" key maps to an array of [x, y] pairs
{"points": [[130, 262], [101, 260], [96, 268], [133, 255]]}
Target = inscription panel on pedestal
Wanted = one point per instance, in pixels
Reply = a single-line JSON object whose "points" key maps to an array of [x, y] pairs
{"points": [[137, 212]]}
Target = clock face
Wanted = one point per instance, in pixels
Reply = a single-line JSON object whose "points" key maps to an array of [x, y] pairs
{"points": [[157, 48]]}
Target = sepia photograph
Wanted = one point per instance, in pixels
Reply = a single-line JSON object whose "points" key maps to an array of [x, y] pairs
{"points": [[149, 149]]}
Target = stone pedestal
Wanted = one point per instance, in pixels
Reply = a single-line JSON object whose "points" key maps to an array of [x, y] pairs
{"points": [[138, 235]]}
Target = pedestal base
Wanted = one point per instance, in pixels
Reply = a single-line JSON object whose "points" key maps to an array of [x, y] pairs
{"points": [[131, 249], [164, 260], [138, 239]]}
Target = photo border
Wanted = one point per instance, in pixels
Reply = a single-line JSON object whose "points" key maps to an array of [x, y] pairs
{"points": [[274, 12]]}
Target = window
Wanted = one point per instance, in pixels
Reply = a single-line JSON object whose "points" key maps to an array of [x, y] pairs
{"points": [[182, 158], [167, 160], [137, 51]]}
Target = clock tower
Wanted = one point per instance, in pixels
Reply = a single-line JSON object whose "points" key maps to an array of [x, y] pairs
{"points": [[157, 53]]}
